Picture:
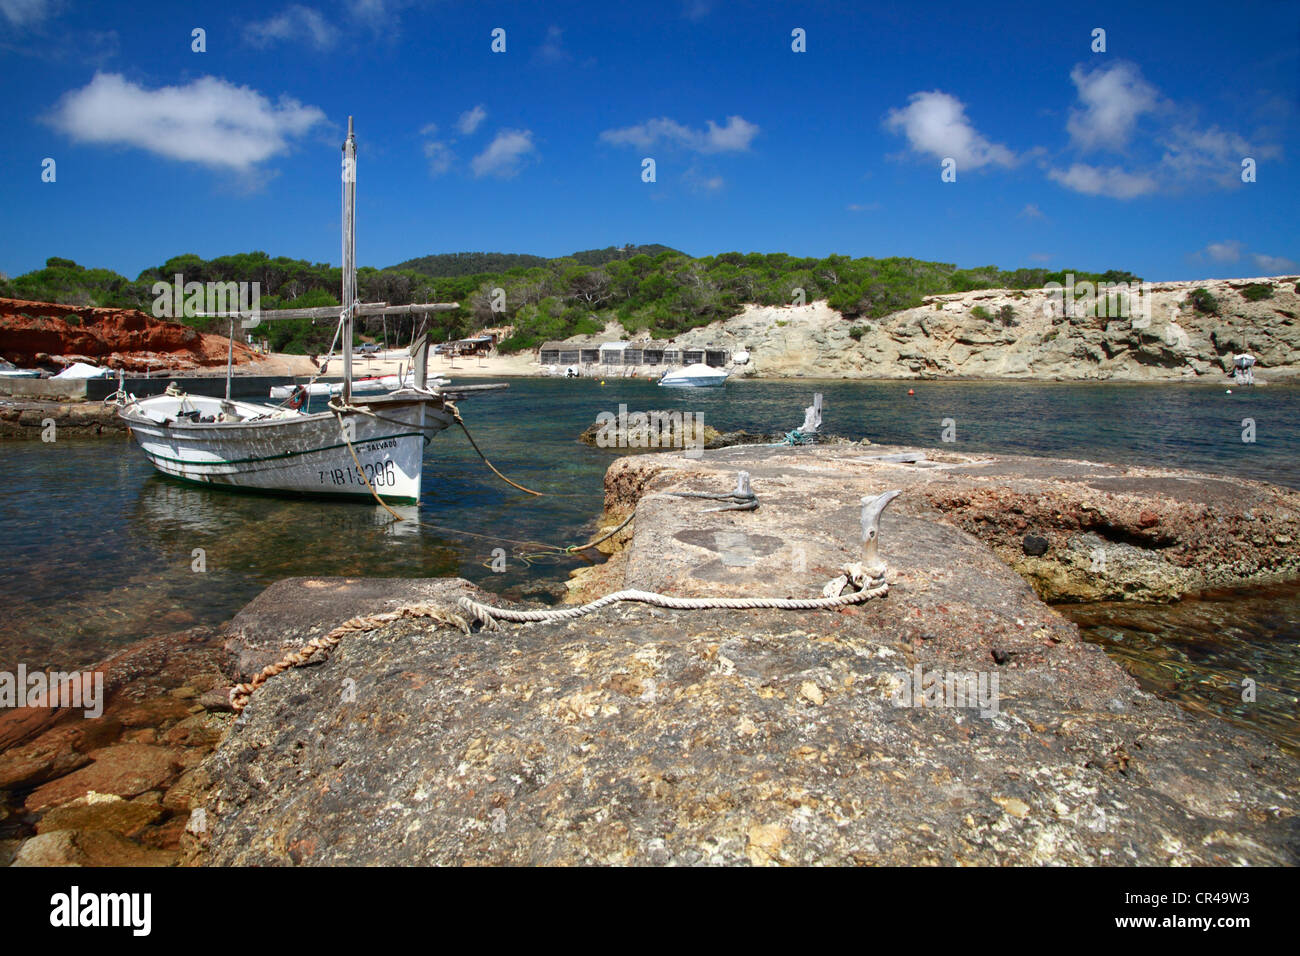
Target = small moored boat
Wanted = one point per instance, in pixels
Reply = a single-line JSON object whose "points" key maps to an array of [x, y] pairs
{"points": [[694, 376], [372, 447]]}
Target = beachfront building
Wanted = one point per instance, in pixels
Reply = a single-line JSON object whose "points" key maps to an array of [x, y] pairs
{"points": [[601, 358]]}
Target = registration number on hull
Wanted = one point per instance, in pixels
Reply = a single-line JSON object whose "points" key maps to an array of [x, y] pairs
{"points": [[380, 474]]}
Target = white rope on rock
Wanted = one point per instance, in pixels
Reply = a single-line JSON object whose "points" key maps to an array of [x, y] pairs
{"points": [[871, 584]]}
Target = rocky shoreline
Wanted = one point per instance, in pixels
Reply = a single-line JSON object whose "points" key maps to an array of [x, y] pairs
{"points": [[645, 735], [116, 790], [999, 334]]}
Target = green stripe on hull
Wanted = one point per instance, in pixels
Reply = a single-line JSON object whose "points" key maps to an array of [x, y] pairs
{"points": [[287, 454], [351, 496]]}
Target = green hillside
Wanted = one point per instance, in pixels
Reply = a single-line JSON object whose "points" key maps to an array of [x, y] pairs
{"points": [[650, 288]]}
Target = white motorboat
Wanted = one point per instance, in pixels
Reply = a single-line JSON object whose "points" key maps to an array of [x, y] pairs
{"points": [[314, 390], [698, 375], [375, 447], [391, 383], [82, 370]]}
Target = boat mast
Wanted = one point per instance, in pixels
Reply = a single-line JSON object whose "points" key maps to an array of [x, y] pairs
{"points": [[230, 358], [349, 255]]}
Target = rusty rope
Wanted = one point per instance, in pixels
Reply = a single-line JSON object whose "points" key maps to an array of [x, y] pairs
{"points": [[240, 693]]}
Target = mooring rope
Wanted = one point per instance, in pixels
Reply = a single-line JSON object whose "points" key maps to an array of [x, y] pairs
{"points": [[240, 693], [603, 538], [465, 428], [448, 405], [548, 552], [873, 585], [794, 437], [361, 471]]}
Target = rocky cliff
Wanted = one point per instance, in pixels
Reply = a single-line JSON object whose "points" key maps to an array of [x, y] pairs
{"points": [[1011, 333], [49, 334]]}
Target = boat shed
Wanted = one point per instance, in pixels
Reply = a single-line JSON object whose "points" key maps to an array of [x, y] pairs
{"points": [[559, 353], [629, 354], [612, 353]]}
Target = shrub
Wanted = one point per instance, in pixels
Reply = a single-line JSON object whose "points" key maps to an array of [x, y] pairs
{"points": [[1203, 302], [857, 331], [1257, 291], [981, 313]]}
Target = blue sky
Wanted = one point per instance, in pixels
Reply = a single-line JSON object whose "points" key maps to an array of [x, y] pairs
{"points": [[1065, 157]]}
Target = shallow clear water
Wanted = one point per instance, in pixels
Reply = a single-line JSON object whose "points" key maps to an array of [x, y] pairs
{"points": [[99, 551], [1234, 653]]}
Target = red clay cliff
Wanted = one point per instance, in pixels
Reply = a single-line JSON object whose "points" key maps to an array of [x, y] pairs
{"points": [[36, 334]]}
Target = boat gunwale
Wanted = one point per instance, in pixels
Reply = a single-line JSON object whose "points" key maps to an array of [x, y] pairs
{"points": [[386, 402]]}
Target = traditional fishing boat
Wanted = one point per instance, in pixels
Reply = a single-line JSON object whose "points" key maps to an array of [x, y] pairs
{"points": [[369, 448]]}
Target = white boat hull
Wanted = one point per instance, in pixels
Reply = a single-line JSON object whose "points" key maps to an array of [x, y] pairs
{"points": [[390, 383], [694, 376], [314, 390], [273, 450]]}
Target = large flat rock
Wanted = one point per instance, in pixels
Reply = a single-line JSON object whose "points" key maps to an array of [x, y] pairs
{"points": [[643, 735]]}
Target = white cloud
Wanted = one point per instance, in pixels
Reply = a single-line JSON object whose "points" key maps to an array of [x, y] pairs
{"points": [[1231, 251], [1275, 265], [22, 12], [1169, 155], [734, 136], [1213, 155], [1031, 211], [293, 23], [862, 206], [935, 123], [1227, 251], [440, 157], [1104, 181], [702, 183], [382, 18], [374, 12], [506, 154], [552, 49], [208, 121], [470, 119], [1111, 98], [1041, 256]]}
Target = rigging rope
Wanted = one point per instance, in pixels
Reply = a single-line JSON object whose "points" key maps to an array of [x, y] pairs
{"points": [[461, 422]]}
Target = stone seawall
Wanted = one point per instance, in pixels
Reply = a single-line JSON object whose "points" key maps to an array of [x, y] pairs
{"points": [[30, 419]]}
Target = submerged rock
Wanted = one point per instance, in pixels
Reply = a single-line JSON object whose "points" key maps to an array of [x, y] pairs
{"points": [[88, 848], [123, 770]]}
